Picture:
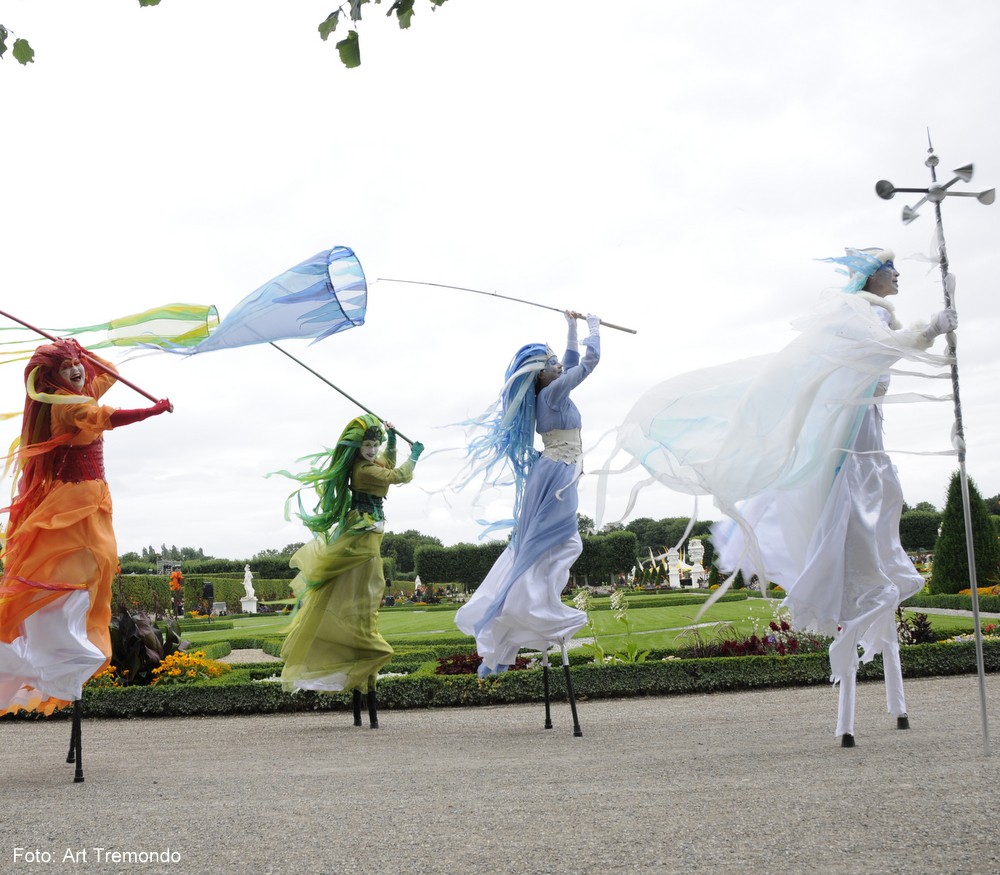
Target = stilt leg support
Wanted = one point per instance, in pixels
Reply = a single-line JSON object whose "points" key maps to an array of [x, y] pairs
{"points": [[545, 687], [372, 706], [356, 701], [75, 754], [577, 731]]}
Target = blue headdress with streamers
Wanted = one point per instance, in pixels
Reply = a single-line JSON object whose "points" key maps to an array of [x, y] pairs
{"points": [[861, 264], [506, 445]]}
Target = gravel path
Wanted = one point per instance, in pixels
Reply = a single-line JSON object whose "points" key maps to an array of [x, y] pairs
{"points": [[245, 655], [728, 783]]}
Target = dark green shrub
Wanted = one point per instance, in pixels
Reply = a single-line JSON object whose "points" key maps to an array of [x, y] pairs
{"points": [[950, 571]]}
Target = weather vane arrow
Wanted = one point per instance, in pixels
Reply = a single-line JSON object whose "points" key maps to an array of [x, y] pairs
{"points": [[935, 193]]}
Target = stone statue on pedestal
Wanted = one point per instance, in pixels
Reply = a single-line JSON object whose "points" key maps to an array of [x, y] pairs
{"points": [[249, 601]]}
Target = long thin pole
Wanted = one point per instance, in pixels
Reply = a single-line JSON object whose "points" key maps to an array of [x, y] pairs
{"points": [[89, 358], [496, 295], [332, 386], [959, 441]]}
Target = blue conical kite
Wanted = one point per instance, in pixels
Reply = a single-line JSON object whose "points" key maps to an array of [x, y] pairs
{"points": [[321, 296]]}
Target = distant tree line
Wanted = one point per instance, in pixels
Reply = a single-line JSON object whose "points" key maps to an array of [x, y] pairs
{"points": [[616, 549]]}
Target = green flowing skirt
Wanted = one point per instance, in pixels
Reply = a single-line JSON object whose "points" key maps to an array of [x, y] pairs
{"points": [[333, 643]]}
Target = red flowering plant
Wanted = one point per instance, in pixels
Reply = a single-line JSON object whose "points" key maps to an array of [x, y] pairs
{"points": [[777, 639], [468, 663]]}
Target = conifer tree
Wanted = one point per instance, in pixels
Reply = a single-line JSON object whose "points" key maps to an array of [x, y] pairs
{"points": [[950, 571]]}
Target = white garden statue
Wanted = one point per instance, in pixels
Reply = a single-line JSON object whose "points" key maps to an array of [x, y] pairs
{"points": [[696, 553], [249, 601]]}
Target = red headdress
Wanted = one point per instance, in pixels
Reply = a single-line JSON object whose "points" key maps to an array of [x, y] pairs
{"points": [[43, 388]]}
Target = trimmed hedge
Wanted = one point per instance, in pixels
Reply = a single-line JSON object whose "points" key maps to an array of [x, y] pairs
{"points": [[244, 690], [204, 625], [989, 604], [147, 592]]}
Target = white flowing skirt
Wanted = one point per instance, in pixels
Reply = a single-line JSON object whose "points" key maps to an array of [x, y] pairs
{"points": [[856, 572], [52, 658], [519, 604]]}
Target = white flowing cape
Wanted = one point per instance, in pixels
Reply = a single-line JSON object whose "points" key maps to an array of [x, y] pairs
{"points": [[779, 422]]}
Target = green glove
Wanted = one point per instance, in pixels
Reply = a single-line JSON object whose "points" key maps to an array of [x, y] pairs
{"points": [[416, 450]]}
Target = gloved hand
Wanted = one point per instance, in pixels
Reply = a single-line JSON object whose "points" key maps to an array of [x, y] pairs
{"points": [[942, 323], [572, 340], [127, 417], [594, 323], [416, 450]]}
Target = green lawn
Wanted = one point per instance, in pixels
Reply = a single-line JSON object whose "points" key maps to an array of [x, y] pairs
{"points": [[657, 627], [263, 624]]}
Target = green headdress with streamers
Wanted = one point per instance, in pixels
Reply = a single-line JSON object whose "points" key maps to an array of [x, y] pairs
{"points": [[330, 472]]}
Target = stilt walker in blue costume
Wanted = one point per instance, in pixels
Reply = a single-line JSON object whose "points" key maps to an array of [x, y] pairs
{"points": [[518, 605]]}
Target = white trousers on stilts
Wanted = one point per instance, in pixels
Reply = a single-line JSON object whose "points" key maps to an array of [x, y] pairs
{"points": [[895, 699]]}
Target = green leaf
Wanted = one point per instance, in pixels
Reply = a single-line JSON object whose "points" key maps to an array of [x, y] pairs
{"points": [[3, 40], [438, 2], [356, 9], [149, 2], [329, 25], [404, 12], [23, 53], [350, 50]]}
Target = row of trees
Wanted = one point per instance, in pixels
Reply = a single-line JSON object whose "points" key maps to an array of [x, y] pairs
{"points": [[603, 557], [150, 555], [616, 549]]}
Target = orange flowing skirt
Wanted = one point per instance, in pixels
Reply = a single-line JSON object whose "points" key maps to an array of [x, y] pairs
{"points": [[67, 544]]}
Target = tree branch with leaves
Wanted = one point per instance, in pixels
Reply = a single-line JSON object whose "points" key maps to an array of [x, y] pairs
{"points": [[350, 47], [21, 51]]}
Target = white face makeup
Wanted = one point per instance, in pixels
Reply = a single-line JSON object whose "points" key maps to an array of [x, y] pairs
{"points": [[553, 368], [369, 450], [73, 373], [885, 281]]}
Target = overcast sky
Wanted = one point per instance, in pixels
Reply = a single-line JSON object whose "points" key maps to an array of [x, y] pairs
{"points": [[673, 167]]}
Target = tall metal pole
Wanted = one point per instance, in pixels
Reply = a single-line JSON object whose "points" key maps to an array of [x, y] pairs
{"points": [[958, 440], [332, 386], [935, 194], [382, 279]]}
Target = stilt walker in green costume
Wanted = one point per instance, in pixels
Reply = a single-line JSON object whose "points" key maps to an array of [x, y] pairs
{"points": [[333, 643]]}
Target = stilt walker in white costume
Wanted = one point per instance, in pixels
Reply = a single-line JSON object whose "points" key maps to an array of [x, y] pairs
{"points": [[855, 551], [518, 604], [790, 447]]}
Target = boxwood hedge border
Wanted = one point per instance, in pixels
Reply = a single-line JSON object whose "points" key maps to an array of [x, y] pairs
{"points": [[252, 688]]}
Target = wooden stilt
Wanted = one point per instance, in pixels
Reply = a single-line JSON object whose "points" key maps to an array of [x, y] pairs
{"points": [[372, 705], [74, 728], [545, 684], [75, 754], [577, 731]]}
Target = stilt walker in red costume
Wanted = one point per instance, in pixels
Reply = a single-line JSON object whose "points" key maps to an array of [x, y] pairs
{"points": [[60, 555]]}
